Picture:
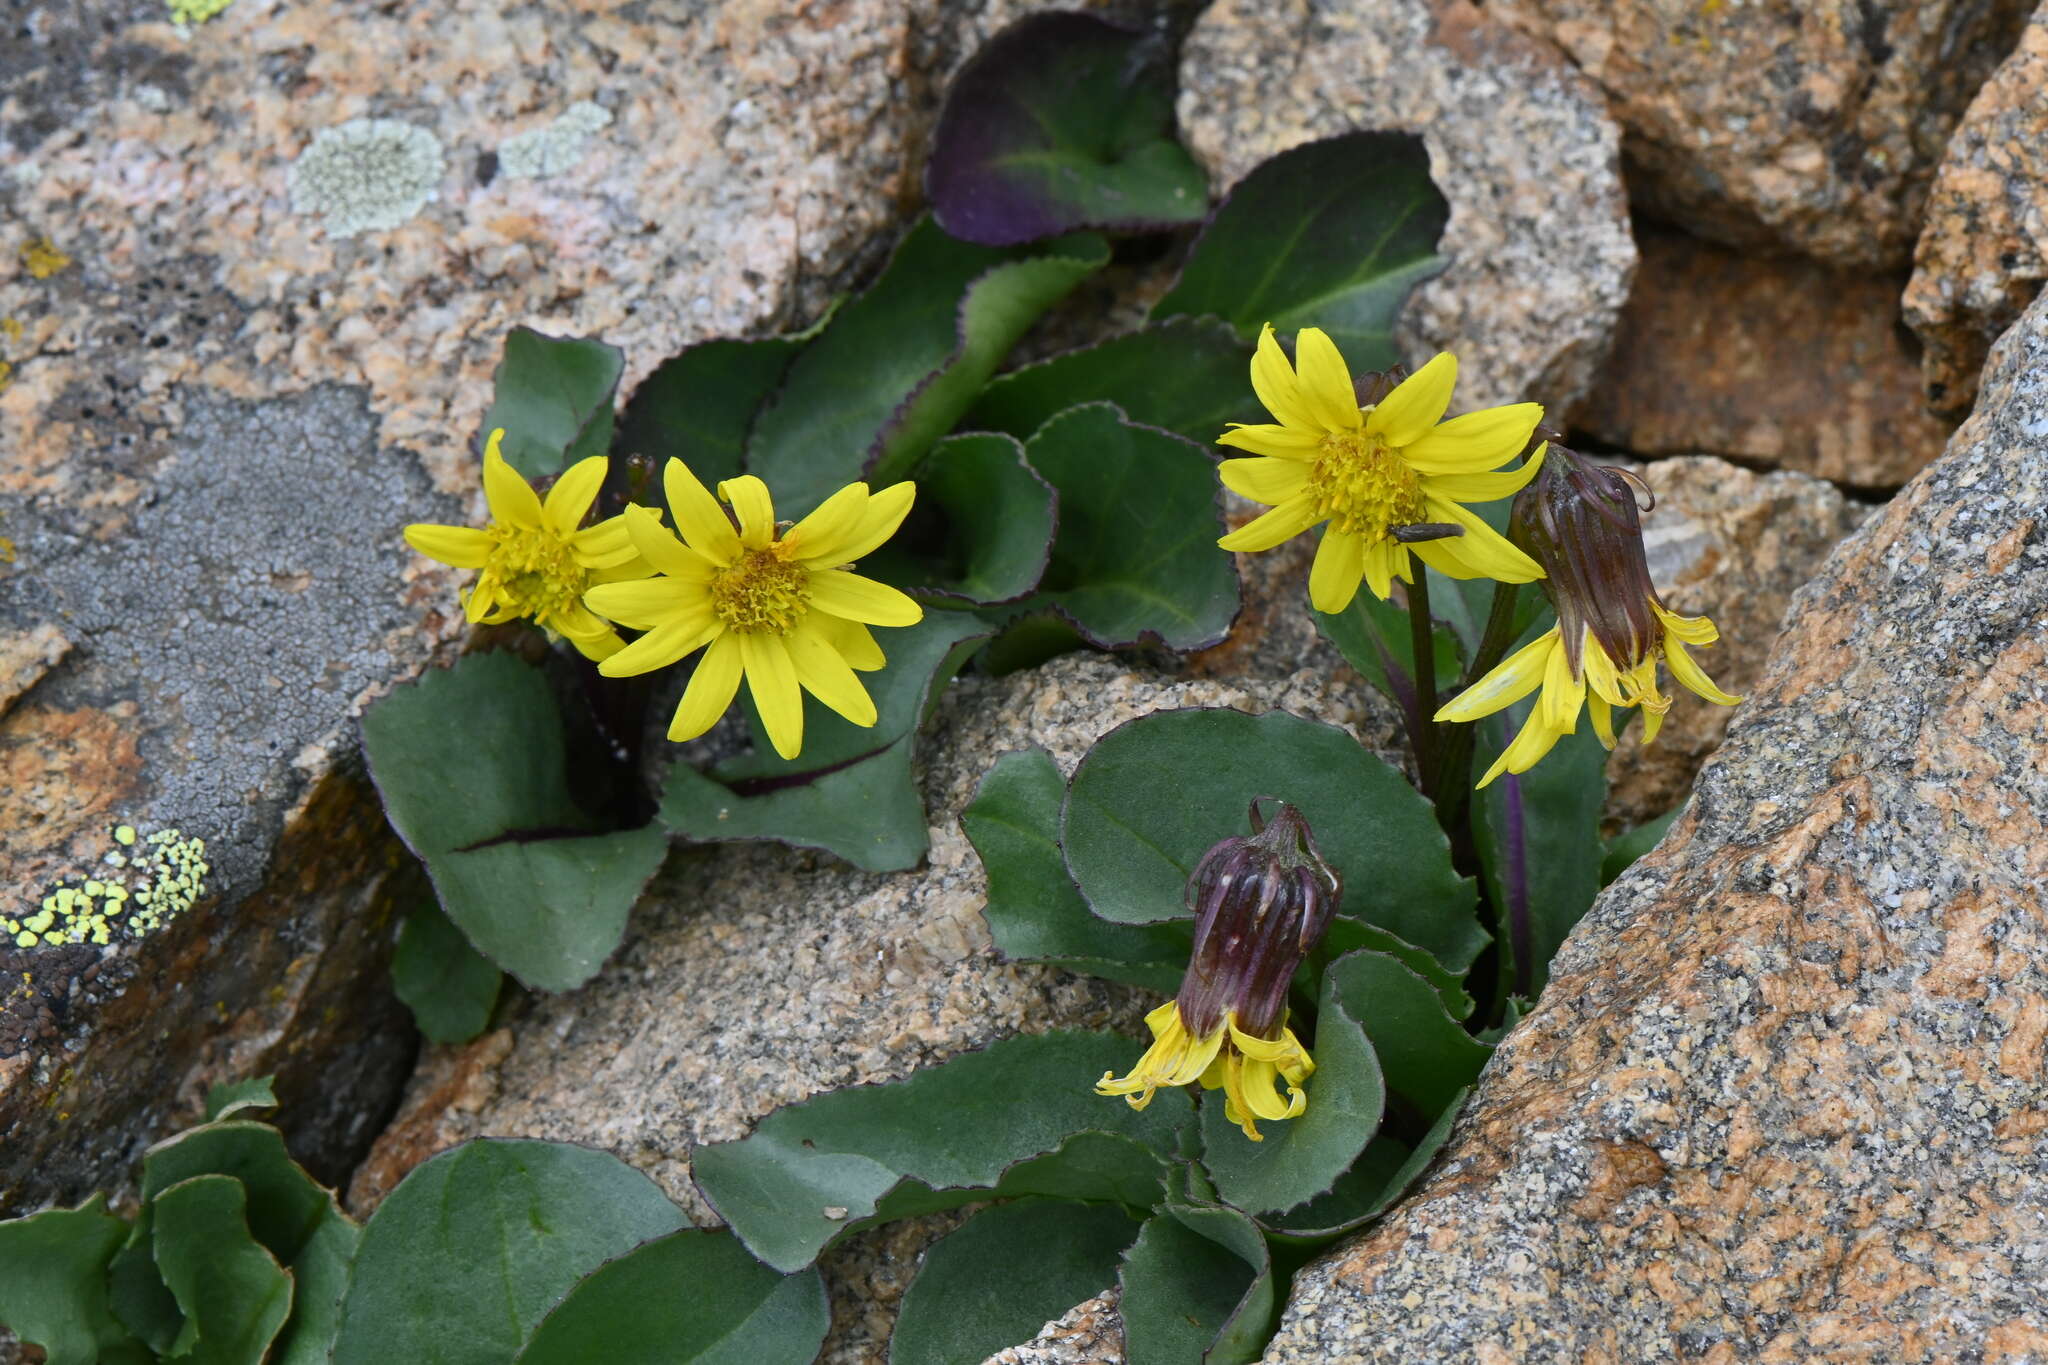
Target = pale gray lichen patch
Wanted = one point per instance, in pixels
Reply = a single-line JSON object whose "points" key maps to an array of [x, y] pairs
{"points": [[367, 175], [555, 148]]}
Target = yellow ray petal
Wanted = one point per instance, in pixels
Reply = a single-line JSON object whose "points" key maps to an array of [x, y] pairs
{"points": [[851, 640], [878, 521], [1694, 630], [465, 547], [1691, 674], [591, 634], [1382, 566], [1535, 740], [702, 521], [1417, 402], [830, 524], [1282, 443], [754, 508], [1264, 479], [660, 647], [1284, 522], [1482, 547], [1484, 487], [511, 498], [1603, 718], [1324, 381], [825, 675], [645, 603], [1274, 382], [658, 545], [1512, 679], [771, 677], [1476, 442], [711, 690], [1339, 565], [1562, 696], [608, 545], [569, 500], [862, 599]]}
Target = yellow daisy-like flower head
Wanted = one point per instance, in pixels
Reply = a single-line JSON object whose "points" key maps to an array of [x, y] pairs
{"points": [[1376, 474], [1261, 905], [536, 559], [1581, 522], [783, 610]]}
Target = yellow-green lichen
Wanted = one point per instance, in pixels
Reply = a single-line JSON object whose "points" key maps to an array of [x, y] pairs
{"points": [[42, 259], [148, 889], [196, 11]]}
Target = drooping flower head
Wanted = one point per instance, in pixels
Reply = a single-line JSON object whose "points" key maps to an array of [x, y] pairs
{"points": [[1389, 476], [1581, 522], [1261, 904], [536, 558], [784, 610]]}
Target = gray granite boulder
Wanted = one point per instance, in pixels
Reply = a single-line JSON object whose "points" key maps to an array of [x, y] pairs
{"points": [[1785, 1098]]}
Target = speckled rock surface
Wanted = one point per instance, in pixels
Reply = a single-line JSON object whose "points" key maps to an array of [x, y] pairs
{"points": [[1734, 545], [1809, 125], [1771, 360], [756, 976], [1090, 1333], [216, 414], [1784, 1100], [1520, 144], [1984, 251]]}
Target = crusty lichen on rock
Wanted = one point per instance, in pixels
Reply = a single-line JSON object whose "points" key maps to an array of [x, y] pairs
{"points": [[367, 175], [148, 883], [555, 148]]}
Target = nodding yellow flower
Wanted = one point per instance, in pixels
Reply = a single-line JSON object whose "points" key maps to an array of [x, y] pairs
{"points": [[1582, 524], [536, 557], [784, 611], [1261, 904], [1391, 478]]}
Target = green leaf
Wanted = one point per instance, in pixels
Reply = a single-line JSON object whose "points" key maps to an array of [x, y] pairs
{"points": [[449, 986], [53, 1281], [1155, 794], [462, 1261], [234, 1295], [1332, 234], [697, 407], [1300, 1158], [1034, 913], [851, 792], [1374, 637], [553, 397], [224, 1101], [1539, 843], [1062, 121], [814, 1171], [982, 528], [690, 1298], [1190, 376], [1624, 848], [895, 368], [1197, 1289], [1136, 556], [319, 1279], [285, 1205], [137, 1292], [1347, 935], [1005, 1273], [470, 763], [1383, 1173], [1423, 1052]]}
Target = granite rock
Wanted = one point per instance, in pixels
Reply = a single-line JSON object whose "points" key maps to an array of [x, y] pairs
{"points": [[1520, 145], [1984, 251], [1090, 1333], [1805, 125], [217, 413], [1784, 1098], [1732, 544], [754, 976], [1770, 360]]}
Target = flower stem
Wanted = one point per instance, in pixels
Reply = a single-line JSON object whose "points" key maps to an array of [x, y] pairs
{"points": [[1422, 647], [1453, 742]]}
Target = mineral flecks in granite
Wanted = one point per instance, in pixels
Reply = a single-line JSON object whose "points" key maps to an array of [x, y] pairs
{"points": [[1519, 143], [1812, 126], [1090, 1333], [1984, 251], [756, 976], [1784, 1099], [1769, 360]]}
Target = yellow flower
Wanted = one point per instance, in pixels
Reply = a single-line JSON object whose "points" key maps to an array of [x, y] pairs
{"points": [[1590, 675], [537, 558], [782, 611], [1246, 1068], [1369, 471]]}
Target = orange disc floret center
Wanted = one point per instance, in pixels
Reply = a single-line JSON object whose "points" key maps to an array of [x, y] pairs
{"points": [[761, 594], [535, 572], [1363, 485]]}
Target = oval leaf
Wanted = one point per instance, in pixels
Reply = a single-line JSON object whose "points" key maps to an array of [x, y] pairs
{"points": [[981, 530], [690, 1298], [1190, 376], [1062, 121], [53, 1281], [1332, 234], [449, 986], [234, 1295], [1197, 1289], [1154, 794], [553, 397]]}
